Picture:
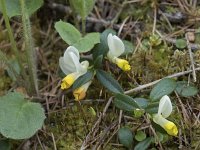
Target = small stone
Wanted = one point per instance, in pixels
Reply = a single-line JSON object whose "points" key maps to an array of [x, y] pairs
{"points": [[191, 36]]}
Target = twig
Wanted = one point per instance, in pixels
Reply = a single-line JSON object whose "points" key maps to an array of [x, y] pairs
{"points": [[154, 20], [121, 27], [120, 118], [54, 143], [191, 58], [43, 148], [184, 112], [139, 88], [133, 1], [115, 19], [107, 105], [104, 134]]}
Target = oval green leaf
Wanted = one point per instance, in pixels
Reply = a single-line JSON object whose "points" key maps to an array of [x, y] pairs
{"points": [[98, 62], [126, 137], [67, 32], [181, 43], [83, 79], [86, 43], [13, 7], [163, 87], [184, 89], [143, 145], [19, 118], [125, 102], [109, 82], [141, 102], [140, 136]]}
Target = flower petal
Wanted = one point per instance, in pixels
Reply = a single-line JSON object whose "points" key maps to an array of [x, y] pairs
{"points": [[85, 65], [71, 49], [80, 92], [123, 64], [165, 106], [66, 63], [169, 126], [69, 80], [67, 69], [116, 46]]}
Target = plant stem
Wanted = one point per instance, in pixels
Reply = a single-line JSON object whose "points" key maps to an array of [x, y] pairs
{"points": [[74, 14], [30, 54], [13, 43], [83, 25]]}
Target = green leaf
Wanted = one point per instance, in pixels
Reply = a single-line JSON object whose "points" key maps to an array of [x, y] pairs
{"points": [[102, 47], [184, 89], [141, 102], [67, 32], [128, 47], [15, 67], [181, 43], [163, 87], [19, 118], [125, 102], [152, 108], [86, 43], [83, 7], [98, 62], [108, 81], [143, 145], [126, 137], [83, 79], [140, 136], [13, 7]]}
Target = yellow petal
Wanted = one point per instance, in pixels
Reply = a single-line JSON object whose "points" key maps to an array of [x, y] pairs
{"points": [[68, 81], [79, 93], [123, 64], [171, 128]]}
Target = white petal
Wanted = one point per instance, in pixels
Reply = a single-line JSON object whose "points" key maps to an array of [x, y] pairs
{"points": [[70, 63], [67, 57], [67, 69], [158, 119], [85, 65], [70, 49], [165, 106], [116, 46], [67, 63], [75, 62]]}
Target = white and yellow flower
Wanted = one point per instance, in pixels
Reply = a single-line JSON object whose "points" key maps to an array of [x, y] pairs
{"points": [[116, 48], [71, 66], [80, 92], [164, 110]]}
